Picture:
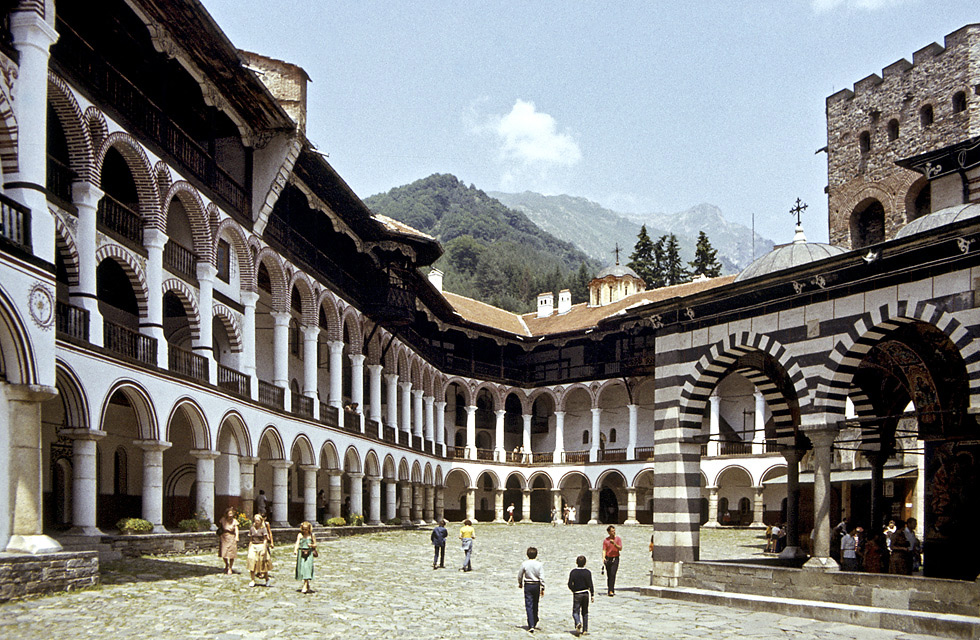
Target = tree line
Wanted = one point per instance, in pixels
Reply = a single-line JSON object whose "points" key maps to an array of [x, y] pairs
{"points": [[659, 263]]}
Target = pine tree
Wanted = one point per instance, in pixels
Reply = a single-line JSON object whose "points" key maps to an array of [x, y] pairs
{"points": [[672, 268], [642, 260], [705, 259], [580, 285]]}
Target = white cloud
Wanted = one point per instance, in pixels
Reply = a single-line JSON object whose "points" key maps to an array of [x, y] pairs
{"points": [[824, 6]]}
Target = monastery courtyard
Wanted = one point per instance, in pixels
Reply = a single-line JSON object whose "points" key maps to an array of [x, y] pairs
{"points": [[383, 586]]}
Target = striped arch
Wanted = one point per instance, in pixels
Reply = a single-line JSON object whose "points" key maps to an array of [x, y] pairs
{"points": [[574, 474], [98, 131], [493, 390], [415, 370], [65, 106], [427, 375], [139, 400], [65, 243], [133, 271], [189, 300], [720, 361], [302, 450], [229, 321], [782, 415], [541, 474], [234, 421], [196, 216], [352, 324], [230, 231], [464, 384], [276, 445], [277, 278], [456, 471], [522, 397], [307, 298], [73, 397], [871, 327], [373, 348], [567, 391], [139, 165], [608, 473], [327, 303], [198, 422], [161, 172], [612, 383]]}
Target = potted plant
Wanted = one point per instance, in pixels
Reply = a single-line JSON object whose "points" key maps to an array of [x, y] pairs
{"points": [[129, 526], [336, 522]]}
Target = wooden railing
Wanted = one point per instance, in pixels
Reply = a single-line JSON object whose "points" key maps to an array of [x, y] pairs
{"points": [[352, 421], [459, 453], [389, 434], [643, 453], [428, 447], [612, 455], [180, 259], [72, 321], [129, 343], [187, 363], [329, 416], [772, 447], [704, 449], [484, 454], [271, 396], [117, 217], [59, 179], [576, 457], [15, 222], [736, 448], [371, 429], [302, 405], [234, 381]]}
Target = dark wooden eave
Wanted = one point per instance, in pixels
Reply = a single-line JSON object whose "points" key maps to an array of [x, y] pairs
{"points": [[952, 159]]}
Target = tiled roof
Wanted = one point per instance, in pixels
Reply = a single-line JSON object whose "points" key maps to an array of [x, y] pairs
{"points": [[400, 227], [486, 314]]}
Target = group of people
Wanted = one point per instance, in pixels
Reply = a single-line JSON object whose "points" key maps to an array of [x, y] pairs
{"points": [[895, 549], [568, 515], [260, 546]]}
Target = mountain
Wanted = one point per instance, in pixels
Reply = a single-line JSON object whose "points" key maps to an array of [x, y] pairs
{"points": [[598, 230], [492, 253]]}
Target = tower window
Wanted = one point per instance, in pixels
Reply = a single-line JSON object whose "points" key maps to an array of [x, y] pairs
{"points": [[892, 129], [926, 116], [865, 141], [959, 102]]}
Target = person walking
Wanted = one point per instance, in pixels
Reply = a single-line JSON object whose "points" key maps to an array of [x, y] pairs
{"points": [[531, 579], [467, 534], [259, 551], [611, 546], [510, 514], [228, 539], [915, 547], [321, 506], [305, 551], [262, 504], [848, 551], [583, 592], [438, 537], [901, 557]]}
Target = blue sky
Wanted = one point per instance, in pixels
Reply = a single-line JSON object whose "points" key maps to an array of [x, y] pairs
{"points": [[640, 106]]}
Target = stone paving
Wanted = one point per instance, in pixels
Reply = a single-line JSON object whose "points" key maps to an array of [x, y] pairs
{"points": [[383, 586]]}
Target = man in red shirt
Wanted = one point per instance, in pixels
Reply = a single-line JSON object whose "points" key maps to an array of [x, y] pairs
{"points": [[611, 546]]}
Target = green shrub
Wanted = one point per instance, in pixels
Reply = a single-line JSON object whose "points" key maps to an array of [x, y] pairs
{"points": [[336, 522], [134, 525], [194, 524], [394, 521], [356, 520]]}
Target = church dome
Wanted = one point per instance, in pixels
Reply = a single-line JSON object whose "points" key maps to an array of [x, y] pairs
{"points": [[939, 218], [618, 271], [795, 254]]}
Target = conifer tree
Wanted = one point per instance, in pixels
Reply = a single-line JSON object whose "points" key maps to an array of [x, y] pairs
{"points": [[672, 268], [643, 260], [705, 259]]}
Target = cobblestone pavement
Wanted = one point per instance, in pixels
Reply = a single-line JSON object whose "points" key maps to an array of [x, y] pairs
{"points": [[383, 586]]}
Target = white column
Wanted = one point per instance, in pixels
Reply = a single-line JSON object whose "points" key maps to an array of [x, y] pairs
{"points": [[335, 493], [309, 492], [392, 421], [498, 506], [249, 300], [280, 349], [430, 426], [391, 498], [712, 508], [631, 506], [336, 373], [204, 346], [417, 416], [357, 385], [205, 483], [374, 506], [631, 443], [471, 503], [246, 467], [86, 198], [280, 492], [406, 408], [441, 428], [356, 493], [594, 516], [152, 326], [596, 430], [471, 432], [758, 508], [759, 437], [714, 425], [84, 483], [526, 505], [374, 385], [526, 442], [153, 481], [499, 453], [310, 369], [559, 437]]}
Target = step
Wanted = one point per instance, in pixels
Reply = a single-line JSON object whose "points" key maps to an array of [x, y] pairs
{"points": [[919, 622]]}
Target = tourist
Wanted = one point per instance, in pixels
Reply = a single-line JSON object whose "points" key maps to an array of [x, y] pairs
{"points": [[915, 547], [580, 584], [321, 505], [611, 546], [564, 514], [466, 537], [889, 530], [781, 535], [531, 579], [259, 550], [228, 539], [554, 517], [652, 536], [572, 515], [848, 551], [305, 551], [262, 504], [438, 537], [876, 554], [510, 514], [901, 547]]}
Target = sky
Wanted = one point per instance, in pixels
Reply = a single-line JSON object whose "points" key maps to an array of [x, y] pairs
{"points": [[641, 106]]}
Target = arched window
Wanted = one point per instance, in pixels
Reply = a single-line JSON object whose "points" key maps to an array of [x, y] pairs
{"points": [[612, 436], [867, 224], [926, 116], [892, 130], [585, 437], [959, 102], [864, 141]]}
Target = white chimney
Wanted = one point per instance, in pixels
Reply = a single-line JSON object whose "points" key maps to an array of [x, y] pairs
{"points": [[564, 301], [546, 304], [435, 277]]}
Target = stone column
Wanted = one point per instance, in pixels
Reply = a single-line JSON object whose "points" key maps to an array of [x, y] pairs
{"points": [[154, 240], [309, 492], [417, 503], [204, 345], [631, 443], [391, 489], [556, 501], [594, 516], [759, 436], [418, 416], [356, 493], [559, 437], [153, 481], [526, 437], [441, 428], [246, 467], [440, 510], [526, 505], [428, 505], [86, 198], [405, 508], [280, 492], [280, 349], [392, 421], [335, 493], [471, 432], [499, 454], [714, 425], [311, 336], [374, 506], [713, 515], [498, 505], [792, 549], [205, 483], [374, 387], [336, 394], [596, 430], [84, 446], [357, 385], [822, 440], [631, 506], [430, 420], [471, 503], [249, 300], [758, 508], [405, 423]]}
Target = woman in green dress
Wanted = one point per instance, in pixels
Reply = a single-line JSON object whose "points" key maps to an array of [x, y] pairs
{"points": [[305, 550]]}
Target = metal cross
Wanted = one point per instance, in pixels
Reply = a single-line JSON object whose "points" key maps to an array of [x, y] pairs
{"points": [[616, 251], [798, 210]]}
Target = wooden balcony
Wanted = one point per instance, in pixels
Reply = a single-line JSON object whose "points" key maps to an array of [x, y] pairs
{"points": [[59, 179], [120, 219], [272, 396], [484, 454], [72, 321], [612, 455], [234, 381], [187, 363], [329, 416], [302, 405], [180, 260], [643, 453], [736, 448], [575, 457], [389, 435], [15, 223], [128, 343]]}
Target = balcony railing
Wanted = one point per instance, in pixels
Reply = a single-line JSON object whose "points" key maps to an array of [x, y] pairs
{"points": [[736, 448], [72, 321], [371, 428], [772, 447], [302, 405], [389, 434], [187, 363], [180, 259], [59, 179], [15, 222], [129, 343], [459, 453], [428, 447], [234, 381], [352, 421], [484, 454], [272, 396], [704, 449], [576, 457], [643, 453], [117, 217], [329, 416], [612, 455]]}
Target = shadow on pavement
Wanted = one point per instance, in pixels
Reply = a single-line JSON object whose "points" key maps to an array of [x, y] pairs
{"points": [[133, 570]]}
